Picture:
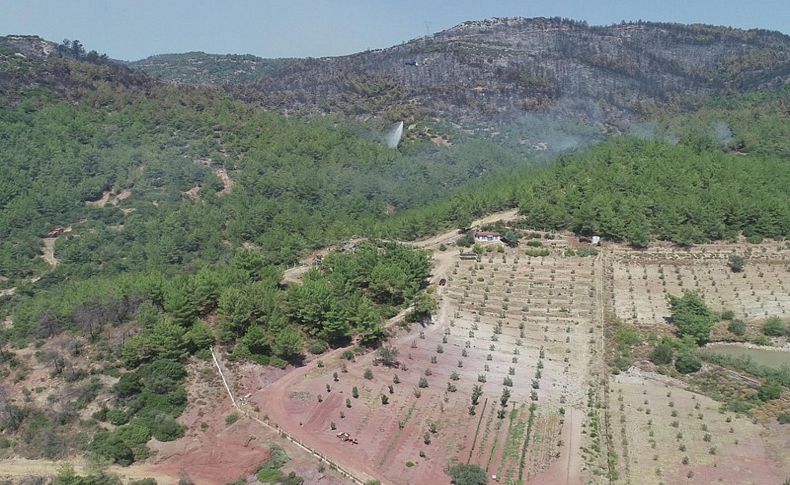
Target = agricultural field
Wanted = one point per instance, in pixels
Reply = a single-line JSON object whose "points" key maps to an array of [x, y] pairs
{"points": [[666, 434], [505, 322], [641, 280], [525, 327]]}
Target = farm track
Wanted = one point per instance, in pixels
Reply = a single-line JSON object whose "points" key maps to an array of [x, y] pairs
{"points": [[18, 468]]}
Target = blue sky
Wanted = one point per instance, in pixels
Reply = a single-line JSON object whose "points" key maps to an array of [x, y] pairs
{"points": [[132, 29]]}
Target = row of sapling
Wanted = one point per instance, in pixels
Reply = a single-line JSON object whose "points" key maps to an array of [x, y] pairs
{"points": [[477, 393]]}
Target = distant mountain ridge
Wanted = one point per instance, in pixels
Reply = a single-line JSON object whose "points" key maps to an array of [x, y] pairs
{"points": [[203, 68], [501, 69]]}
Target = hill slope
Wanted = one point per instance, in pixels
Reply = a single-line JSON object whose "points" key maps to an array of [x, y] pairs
{"points": [[157, 174], [202, 68], [501, 69]]}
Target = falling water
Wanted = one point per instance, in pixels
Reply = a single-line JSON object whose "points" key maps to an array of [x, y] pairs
{"points": [[394, 135]]}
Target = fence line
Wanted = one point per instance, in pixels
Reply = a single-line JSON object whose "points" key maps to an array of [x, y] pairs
{"points": [[279, 431]]}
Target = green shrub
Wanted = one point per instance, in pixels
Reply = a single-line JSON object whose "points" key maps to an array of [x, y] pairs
{"points": [[736, 263], [292, 479], [742, 406], [231, 418], [110, 445], [128, 385], [117, 417], [166, 428], [101, 414], [67, 476], [466, 240], [727, 315], [203, 354], [686, 363], [537, 253], [627, 338], [318, 347], [144, 481], [135, 433], [783, 418], [761, 340], [737, 327], [662, 353], [463, 474], [774, 327], [277, 456], [269, 475], [691, 316], [584, 252], [769, 391], [347, 354]]}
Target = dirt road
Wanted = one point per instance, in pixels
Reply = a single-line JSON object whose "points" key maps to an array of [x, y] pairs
{"points": [[449, 237], [48, 249], [294, 275], [18, 468]]}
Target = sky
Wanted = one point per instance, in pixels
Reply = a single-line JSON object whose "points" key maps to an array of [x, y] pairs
{"points": [[134, 29]]}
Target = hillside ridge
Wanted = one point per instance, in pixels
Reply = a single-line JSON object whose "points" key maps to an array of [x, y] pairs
{"points": [[501, 69]]}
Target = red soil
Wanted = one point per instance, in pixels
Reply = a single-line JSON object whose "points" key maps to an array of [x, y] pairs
{"points": [[384, 448], [216, 458]]}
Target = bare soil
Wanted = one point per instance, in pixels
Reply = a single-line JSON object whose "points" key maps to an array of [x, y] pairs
{"points": [[48, 249], [482, 305], [110, 198], [652, 444], [214, 452]]}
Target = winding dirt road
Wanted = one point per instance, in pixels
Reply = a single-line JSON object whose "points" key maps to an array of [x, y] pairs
{"points": [[294, 275]]}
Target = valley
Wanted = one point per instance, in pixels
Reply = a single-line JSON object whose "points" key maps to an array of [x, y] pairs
{"points": [[515, 251]]}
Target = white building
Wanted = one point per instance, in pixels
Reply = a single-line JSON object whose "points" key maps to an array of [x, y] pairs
{"points": [[486, 236]]}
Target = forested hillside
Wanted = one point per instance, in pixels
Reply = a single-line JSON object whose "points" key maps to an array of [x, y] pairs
{"points": [[290, 185], [169, 213], [202, 68], [710, 186], [714, 174]]}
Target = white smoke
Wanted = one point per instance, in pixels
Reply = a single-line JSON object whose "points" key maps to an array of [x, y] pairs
{"points": [[723, 132], [651, 131], [393, 136]]}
